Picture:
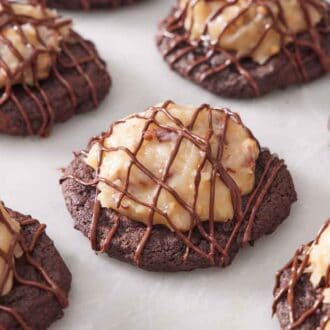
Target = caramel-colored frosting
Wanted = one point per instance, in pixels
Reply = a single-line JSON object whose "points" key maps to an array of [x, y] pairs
{"points": [[9, 247], [239, 156], [31, 36], [319, 263], [319, 258], [257, 30], [327, 326]]}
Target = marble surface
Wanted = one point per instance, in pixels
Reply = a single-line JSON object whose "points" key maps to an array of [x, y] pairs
{"points": [[107, 294]]}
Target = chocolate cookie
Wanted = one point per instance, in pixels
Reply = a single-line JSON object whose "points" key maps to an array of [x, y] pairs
{"points": [[126, 233], [35, 286], [89, 4], [48, 74], [302, 289], [245, 51]]}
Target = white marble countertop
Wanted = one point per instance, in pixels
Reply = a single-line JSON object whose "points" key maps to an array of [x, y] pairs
{"points": [[107, 294]]}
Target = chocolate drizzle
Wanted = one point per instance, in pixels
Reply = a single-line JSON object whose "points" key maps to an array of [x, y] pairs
{"points": [[66, 59], [297, 268], [46, 282], [244, 216], [201, 52]]}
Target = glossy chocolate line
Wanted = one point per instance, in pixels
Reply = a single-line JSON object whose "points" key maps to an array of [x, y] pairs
{"points": [[37, 93], [110, 235], [266, 179], [297, 267], [265, 187], [219, 155], [178, 134], [46, 284], [195, 221], [173, 28]]}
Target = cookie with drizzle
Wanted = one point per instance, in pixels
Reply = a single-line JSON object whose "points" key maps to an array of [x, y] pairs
{"points": [[177, 188], [48, 72], [34, 280], [247, 48], [302, 288]]}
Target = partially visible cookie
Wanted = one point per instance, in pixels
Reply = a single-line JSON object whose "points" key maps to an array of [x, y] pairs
{"points": [[48, 73], [89, 4], [177, 188], [302, 289], [246, 49], [34, 281]]}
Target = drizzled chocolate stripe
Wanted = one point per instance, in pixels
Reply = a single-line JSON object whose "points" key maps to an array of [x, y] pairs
{"points": [[204, 49], [46, 283], [297, 267], [244, 218], [36, 93]]}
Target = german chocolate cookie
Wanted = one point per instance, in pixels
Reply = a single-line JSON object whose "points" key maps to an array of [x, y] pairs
{"points": [[89, 4], [34, 281], [176, 188], [245, 49], [302, 289], [48, 73]]}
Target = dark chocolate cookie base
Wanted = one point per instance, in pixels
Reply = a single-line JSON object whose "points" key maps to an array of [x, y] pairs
{"points": [[11, 119], [164, 250], [38, 308], [305, 297], [89, 4], [277, 73]]}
